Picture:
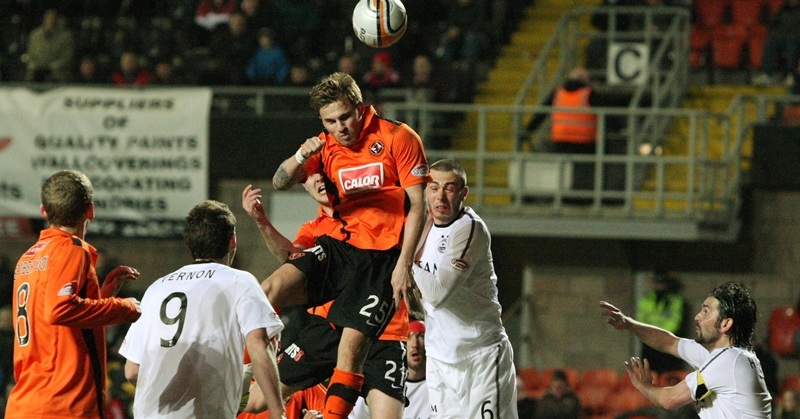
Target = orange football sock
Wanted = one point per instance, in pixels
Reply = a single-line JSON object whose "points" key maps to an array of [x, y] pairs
{"points": [[246, 356], [343, 392]]}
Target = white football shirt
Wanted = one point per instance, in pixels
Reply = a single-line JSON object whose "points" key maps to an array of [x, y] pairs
{"points": [[726, 383], [459, 289], [419, 406], [189, 342]]}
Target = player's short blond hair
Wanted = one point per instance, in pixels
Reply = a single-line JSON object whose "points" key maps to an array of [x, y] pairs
{"points": [[338, 86]]}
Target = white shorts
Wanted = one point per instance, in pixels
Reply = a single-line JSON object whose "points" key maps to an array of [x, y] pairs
{"points": [[483, 386]]}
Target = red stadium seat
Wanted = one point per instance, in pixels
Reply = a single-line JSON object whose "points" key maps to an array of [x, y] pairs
{"points": [[625, 383], [531, 378], [700, 39], [783, 324], [670, 378], [747, 12], [791, 382], [710, 13], [727, 46], [623, 401], [593, 399], [755, 44], [602, 377], [774, 5]]}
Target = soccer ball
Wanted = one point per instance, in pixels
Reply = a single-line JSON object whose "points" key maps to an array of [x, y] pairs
{"points": [[379, 23]]}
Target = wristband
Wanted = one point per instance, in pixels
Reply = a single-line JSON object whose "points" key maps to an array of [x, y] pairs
{"points": [[299, 157]]}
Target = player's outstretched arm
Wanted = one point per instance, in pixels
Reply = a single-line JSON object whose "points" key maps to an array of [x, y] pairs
{"points": [[667, 397], [116, 279], [402, 278], [654, 337], [291, 171], [280, 246], [262, 352]]}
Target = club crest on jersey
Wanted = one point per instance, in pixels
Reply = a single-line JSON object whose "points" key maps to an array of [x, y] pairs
{"points": [[376, 148], [420, 170], [65, 291], [361, 178], [459, 264], [442, 245]]}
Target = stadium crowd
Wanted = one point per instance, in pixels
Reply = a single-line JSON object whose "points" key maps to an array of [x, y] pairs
{"points": [[221, 42]]}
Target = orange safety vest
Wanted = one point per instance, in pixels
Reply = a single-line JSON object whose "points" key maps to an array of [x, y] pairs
{"points": [[571, 127]]}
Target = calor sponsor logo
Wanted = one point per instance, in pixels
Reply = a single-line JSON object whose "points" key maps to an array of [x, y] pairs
{"points": [[361, 178]]}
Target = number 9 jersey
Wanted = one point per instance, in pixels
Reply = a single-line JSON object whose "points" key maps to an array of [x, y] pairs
{"points": [[189, 342]]}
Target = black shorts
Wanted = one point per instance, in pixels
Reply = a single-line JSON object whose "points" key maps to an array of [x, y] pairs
{"points": [[359, 281], [311, 357], [385, 368]]}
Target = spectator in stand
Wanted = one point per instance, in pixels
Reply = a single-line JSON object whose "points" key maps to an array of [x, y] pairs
{"points": [[787, 406], [89, 71], [425, 82], [299, 24], [300, 75], [50, 50], [465, 41], [349, 63], [783, 35], [428, 87], [559, 402], [256, 12], [269, 65], [231, 50], [165, 74], [381, 73], [211, 14], [130, 72]]}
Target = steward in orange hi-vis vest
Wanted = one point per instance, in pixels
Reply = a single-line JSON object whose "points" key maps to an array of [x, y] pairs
{"points": [[573, 127]]}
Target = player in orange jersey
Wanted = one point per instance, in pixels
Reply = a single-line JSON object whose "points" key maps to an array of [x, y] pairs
{"points": [[375, 172], [60, 310], [311, 357]]}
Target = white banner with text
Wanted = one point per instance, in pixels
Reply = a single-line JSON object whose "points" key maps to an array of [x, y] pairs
{"points": [[146, 152]]}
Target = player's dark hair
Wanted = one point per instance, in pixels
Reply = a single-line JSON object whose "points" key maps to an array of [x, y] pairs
{"points": [[209, 227], [451, 166], [66, 195], [736, 303], [338, 86]]}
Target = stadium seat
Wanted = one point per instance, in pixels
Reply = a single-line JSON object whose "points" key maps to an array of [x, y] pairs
{"points": [[700, 39], [784, 322], [603, 377], [623, 401], [727, 46], [791, 382], [747, 12], [670, 378], [531, 378], [774, 5], [710, 13], [755, 44], [593, 399]]}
